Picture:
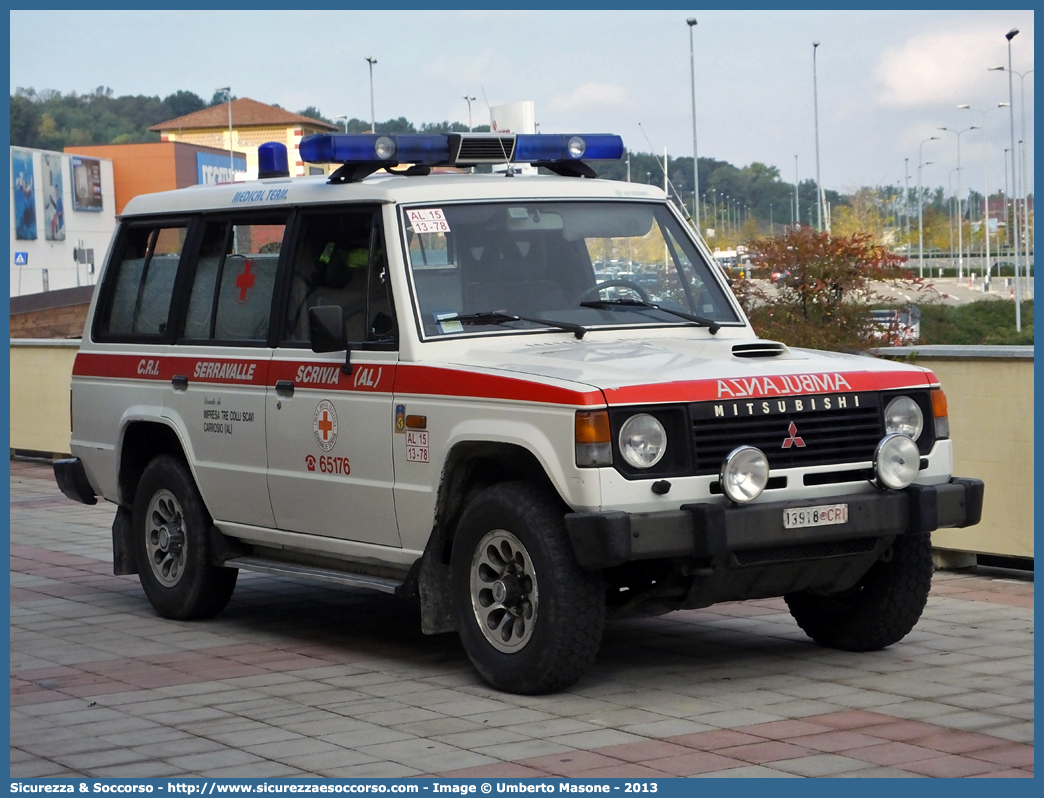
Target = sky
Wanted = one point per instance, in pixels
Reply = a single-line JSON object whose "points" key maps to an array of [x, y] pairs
{"points": [[886, 79]]}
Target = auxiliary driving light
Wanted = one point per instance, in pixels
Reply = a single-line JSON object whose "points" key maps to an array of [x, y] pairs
{"points": [[744, 474], [896, 461]]}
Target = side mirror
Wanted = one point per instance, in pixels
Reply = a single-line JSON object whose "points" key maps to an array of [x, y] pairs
{"points": [[326, 328]]}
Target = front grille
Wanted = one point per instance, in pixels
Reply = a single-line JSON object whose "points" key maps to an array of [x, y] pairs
{"points": [[805, 551], [496, 149], [847, 435]]}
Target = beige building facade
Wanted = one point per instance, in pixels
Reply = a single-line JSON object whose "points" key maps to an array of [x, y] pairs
{"points": [[253, 124]]}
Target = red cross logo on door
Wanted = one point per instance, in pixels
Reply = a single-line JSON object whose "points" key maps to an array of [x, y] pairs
{"points": [[324, 425], [245, 281]]}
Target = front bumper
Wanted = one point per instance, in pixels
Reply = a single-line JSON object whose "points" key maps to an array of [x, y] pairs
{"points": [[604, 540]]}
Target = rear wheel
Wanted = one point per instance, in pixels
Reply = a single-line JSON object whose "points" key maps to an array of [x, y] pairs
{"points": [[880, 609], [529, 617], [171, 544]]}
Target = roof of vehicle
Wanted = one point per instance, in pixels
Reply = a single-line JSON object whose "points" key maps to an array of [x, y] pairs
{"points": [[384, 188]]}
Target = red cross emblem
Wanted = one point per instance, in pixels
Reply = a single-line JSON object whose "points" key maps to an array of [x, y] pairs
{"points": [[794, 439], [326, 426], [245, 281]]}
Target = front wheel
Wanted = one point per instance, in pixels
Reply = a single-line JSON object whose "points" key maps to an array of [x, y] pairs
{"points": [[529, 617], [880, 609], [171, 525]]}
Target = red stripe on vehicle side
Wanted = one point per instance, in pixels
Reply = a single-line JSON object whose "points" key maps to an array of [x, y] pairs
{"points": [[327, 376], [164, 367]]}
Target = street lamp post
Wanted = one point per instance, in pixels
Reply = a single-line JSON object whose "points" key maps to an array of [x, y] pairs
{"points": [[1015, 216], [1019, 173], [231, 162], [1007, 199], [949, 194], [920, 204], [815, 102], [469, 99], [373, 119], [691, 22], [960, 225], [906, 205], [985, 181], [797, 206], [345, 118]]}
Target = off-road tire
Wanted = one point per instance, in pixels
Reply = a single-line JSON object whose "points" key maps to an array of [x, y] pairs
{"points": [[880, 609], [566, 630], [195, 588]]}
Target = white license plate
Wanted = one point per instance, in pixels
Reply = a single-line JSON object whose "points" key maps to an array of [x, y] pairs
{"points": [[822, 515]]}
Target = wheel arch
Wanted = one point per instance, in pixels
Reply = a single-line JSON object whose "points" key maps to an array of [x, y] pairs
{"points": [[142, 440], [470, 467]]}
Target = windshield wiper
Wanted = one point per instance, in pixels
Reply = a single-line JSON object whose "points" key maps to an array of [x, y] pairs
{"points": [[500, 317], [712, 326]]}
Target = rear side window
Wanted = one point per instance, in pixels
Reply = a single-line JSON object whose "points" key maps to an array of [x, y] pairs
{"points": [[231, 294], [143, 282]]}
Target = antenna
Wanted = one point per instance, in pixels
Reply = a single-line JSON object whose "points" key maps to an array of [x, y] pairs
{"points": [[509, 167], [681, 200]]}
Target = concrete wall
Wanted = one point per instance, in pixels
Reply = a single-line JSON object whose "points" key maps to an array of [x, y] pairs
{"points": [[41, 373], [990, 393]]}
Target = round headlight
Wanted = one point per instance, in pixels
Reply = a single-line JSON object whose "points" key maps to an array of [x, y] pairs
{"points": [[384, 147], [642, 441], [744, 474], [903, 416], [577, 146], [896, 461]]}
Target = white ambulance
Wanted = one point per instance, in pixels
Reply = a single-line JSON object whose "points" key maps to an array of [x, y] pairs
{"points": [[415, 383]]}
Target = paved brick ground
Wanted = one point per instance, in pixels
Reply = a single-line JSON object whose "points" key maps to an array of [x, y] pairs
{"points": [[298, 679]]}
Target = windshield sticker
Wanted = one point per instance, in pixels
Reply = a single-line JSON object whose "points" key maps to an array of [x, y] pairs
{"points": [[448, 326], [427, 220]]}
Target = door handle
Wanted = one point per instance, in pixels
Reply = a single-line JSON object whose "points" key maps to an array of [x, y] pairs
{"points": [[179, 381], [284, 387]]}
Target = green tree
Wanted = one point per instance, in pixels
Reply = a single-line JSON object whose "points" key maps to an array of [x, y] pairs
{"points": [[823, 301], [182, 103], [314, 113], [25, 122]]}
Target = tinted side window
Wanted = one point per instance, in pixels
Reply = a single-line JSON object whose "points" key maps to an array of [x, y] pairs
{"points": [[339, 260], [143, 282], [231, 294]]}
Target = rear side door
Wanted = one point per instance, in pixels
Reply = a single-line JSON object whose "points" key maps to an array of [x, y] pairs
{"points": [[330, 432], [221, 362]]}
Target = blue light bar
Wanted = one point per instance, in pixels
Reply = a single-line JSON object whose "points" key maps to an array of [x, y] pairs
{"points": [[530, 148], [376, 149], [370, 151]]}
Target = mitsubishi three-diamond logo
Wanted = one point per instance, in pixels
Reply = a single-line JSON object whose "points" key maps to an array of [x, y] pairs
{"points": [[794, 439]]}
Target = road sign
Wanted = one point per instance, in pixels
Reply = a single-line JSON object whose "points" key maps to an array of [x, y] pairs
{"points": [[21, 259]]}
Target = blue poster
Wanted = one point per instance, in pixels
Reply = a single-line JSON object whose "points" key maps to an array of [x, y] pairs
{"points": [[24, 195], [211, 168], [54, 204]]}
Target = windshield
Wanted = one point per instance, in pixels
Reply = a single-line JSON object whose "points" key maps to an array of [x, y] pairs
{"points": [[482, 267]]}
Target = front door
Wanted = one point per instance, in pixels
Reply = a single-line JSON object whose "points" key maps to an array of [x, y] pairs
{"points": [[330, 433]]}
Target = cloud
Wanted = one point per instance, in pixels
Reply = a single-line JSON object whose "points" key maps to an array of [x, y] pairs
{"points": [[592, 96], [943, 67]]}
